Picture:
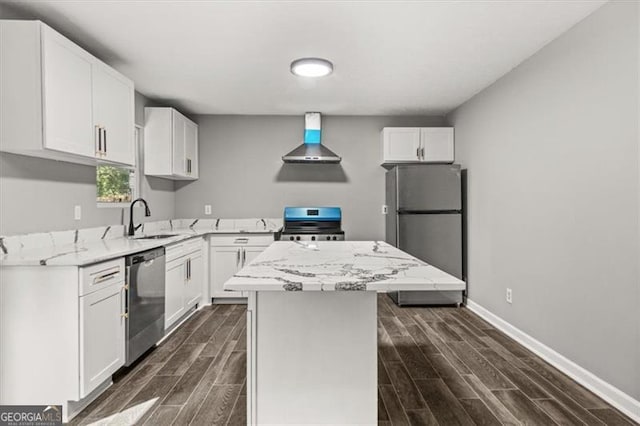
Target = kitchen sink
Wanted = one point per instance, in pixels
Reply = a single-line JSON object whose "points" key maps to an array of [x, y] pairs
{"points": [[156, 237]]}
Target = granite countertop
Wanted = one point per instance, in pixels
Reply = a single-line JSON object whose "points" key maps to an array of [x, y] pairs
{"points": [[93, 245], [339, 266]]}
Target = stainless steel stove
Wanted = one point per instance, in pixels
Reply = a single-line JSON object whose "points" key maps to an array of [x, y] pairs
{"points": [[312, 224]]}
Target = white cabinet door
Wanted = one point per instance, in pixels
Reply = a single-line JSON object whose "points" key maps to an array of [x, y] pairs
{"points": [[66, 96], [113, 113], [174, 302], [195, 280], [225, 261], [438, 144], [400, 144], [179, 154], [171, 144], [191, 148], [251, 253], [102, 334]]}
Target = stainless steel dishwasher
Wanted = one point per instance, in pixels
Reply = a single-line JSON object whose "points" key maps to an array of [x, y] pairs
{"points": [[145, 302]]}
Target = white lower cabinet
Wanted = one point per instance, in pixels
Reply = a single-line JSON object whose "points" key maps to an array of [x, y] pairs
{"points": [[183, 279], [193, 291], [229, 254], [62, 333], [174, 306], [225, 261], [102, 335]]}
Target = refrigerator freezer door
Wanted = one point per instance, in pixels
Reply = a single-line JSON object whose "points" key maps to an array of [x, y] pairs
{"points": [[429, 188], [433, 238]]}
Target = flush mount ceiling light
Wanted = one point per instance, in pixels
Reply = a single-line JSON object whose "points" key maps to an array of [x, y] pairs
{"points": [[311, 67]]}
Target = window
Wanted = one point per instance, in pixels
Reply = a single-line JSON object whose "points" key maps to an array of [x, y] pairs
{"points": [[117, 186]]}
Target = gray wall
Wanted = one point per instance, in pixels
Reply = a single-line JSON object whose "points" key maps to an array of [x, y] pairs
{"points": [[552, 157], [38, 195], [242, 174]]}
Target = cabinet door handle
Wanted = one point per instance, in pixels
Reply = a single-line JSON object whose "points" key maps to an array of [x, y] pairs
{"points": [[422, 152], [237, 257], [124, 301], [244, 256], [98, 140], [105, 140], [189, 269], [418, 152]]}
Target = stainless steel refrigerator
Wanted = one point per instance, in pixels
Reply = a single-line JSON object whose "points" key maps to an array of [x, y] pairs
{"points": [[425, 219]]}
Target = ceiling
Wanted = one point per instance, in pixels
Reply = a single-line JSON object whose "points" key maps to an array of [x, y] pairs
{"points": [[397, 58]]}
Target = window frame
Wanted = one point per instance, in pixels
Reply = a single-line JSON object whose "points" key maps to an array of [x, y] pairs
{"points": [[138, 134]]}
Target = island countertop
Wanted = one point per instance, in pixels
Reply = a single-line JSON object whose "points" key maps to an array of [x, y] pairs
{"points": [[339, 266]]}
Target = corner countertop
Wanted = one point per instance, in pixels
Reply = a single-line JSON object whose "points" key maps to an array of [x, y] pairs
{"points": [[339, 266], [87, 246]]}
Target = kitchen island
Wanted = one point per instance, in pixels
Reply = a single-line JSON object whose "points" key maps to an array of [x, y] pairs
{"points": [[312, 327]]}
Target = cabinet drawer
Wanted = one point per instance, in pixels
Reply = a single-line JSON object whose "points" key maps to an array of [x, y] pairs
{"points": [[173, 252], [241, 240], [192, 245], [183, 248], [101, 275]]}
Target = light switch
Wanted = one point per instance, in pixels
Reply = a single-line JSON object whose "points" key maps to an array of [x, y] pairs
{"points": [[77, 212], [385, 209], [207, 209]]}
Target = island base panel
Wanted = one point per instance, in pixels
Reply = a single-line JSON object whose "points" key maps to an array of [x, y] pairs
{"points": [[312, 358]]}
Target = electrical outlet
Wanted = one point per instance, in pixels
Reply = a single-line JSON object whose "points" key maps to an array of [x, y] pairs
{"points": [[509, 296], [207, 209], [77, 212], [385, 209]]}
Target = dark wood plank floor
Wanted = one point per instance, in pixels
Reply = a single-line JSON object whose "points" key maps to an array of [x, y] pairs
{"points": [[439, 365]]}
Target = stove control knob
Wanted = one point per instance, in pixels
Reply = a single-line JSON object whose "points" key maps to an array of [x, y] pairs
{"points": [[313, 238], [328, 238], [291, 238], [298, 238], [335, 238]]}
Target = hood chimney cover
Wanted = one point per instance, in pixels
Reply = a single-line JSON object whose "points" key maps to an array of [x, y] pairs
{"points": [[312, 151]]}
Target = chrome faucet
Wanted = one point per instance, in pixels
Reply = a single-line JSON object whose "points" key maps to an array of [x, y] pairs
{"points": [[147, 213]]}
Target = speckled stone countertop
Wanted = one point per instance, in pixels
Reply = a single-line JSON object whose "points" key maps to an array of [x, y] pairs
{"points": [[91, 245], [339, 266]]}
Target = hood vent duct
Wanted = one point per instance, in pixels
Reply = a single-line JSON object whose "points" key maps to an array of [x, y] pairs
{"points": [[312, 151]]}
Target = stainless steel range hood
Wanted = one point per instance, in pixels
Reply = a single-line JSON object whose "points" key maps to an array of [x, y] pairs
{"points": [[312, 151]]}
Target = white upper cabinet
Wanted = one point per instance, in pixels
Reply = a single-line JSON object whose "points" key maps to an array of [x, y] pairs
{"points": [[66, 96], [60, 102], [191, 148], [437, 143], [417, 145], [401, 144], [113, 115], [170, 145]]}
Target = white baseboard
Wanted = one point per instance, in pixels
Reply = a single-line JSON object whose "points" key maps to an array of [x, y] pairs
{"points": [[604, 390]]}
